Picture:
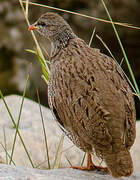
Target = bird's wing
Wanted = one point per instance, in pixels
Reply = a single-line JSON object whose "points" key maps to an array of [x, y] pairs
{"points": [[116, 96]]}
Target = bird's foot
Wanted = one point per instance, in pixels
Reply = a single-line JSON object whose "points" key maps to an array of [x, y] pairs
{"points": [[91, 167]]}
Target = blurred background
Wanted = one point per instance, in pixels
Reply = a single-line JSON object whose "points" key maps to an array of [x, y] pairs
{"points": [[16, 62]]}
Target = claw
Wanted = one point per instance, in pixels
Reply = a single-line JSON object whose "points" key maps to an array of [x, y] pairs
{"points": [[90, 166]]}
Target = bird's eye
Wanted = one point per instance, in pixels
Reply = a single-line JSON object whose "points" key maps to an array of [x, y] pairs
{"points": [[41, 24]]}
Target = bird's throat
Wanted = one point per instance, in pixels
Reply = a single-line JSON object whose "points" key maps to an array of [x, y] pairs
{"points": [[60, 41]]}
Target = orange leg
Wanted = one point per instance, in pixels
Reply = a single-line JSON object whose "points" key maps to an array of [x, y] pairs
{"points": [[90, 166]]}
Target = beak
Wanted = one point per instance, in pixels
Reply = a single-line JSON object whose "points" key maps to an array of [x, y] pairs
{"points": [[32, 27]]}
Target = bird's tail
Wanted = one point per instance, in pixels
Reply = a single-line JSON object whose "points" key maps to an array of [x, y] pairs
{"points": [[119, 164]]}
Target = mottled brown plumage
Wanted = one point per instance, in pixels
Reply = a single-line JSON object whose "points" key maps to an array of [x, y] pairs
{"points": [[89, 96]]}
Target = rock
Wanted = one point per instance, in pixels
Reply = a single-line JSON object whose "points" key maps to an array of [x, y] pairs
{"points": [[31, 131], [136, 149], [21, 173]]}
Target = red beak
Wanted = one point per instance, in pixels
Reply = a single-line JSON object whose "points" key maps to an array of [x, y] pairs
{"points": [[32, 27]]}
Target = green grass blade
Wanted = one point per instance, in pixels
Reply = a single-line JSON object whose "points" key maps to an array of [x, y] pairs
{"points": [[15, 126], [58, 150], [5, 145], [68, 161], [43, 65], [24, 92], [44, 78], [42, 62], [32, 33], [31, 51], [6, 152], [122, 48], [83, 159]]}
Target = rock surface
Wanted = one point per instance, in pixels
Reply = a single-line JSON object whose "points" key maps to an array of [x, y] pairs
{"points": [[32, 133], [20, 173]]}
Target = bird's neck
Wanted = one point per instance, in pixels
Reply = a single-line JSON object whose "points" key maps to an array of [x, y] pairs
{"points": [[61, 40]]}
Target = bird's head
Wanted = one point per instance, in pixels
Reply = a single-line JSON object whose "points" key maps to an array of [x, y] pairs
{"points": [[51, 25]]}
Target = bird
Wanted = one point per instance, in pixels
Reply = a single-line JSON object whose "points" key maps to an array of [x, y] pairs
{"points": [[89, 96]]}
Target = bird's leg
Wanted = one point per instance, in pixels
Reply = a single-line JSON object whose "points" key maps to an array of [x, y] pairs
{"points": [[90, 165]]}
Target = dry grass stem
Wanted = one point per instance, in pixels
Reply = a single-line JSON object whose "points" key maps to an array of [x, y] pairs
{"points": [[86, 16], [44, 130]]}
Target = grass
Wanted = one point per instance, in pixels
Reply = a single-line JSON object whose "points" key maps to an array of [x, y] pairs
{"points": [[7, 154], [57, 159], [44, 130], [83, 15], [5, 144], [45, 70], [123, 51], [38, 49], [17, 125], [17, 130]]}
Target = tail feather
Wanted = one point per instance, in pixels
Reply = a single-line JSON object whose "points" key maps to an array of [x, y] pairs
{"points": [[119, 164]]}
